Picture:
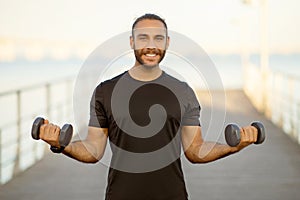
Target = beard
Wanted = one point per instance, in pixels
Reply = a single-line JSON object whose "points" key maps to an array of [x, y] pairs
{"points": [[142, 52]]}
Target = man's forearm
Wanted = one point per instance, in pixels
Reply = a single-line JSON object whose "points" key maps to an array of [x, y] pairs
{"points": [[210, 151], [82, 151]]}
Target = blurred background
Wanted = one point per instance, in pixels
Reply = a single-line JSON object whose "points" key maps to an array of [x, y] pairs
{"points": [[254, 44]]}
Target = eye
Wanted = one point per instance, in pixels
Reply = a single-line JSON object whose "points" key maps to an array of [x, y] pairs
{"points": [[142, 38], [159, 38]]}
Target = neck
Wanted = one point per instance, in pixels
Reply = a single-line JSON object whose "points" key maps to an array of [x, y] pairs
{"points": [[145, 73]]}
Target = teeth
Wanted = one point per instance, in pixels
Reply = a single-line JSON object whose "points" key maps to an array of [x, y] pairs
{"points": [[150, 55]]}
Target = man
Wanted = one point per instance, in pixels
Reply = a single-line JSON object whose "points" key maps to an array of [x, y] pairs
{"points": [[145, 138]]}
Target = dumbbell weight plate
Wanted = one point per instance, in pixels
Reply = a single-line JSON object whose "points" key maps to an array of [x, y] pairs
{"points": [[261, 132], [232, 135], [65, 136], [35, 131]]}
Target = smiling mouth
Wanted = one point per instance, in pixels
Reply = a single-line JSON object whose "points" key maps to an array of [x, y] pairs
{"points": [[150, 55]]}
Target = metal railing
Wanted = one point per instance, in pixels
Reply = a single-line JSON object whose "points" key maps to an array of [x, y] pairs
{"points": [[18, 151], [278, 99]]}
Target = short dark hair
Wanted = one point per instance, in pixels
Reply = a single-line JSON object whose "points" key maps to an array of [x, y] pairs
{"points": [[151, 17]]}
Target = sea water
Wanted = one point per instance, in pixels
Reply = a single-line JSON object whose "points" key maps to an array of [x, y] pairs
{"points": [[20, 74]]}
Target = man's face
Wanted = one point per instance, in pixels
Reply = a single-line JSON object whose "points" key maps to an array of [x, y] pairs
{"points": [[149, 42]]}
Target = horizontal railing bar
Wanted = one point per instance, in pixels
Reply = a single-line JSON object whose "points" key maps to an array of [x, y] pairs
{"points": [[36, 86], [29, 116]]}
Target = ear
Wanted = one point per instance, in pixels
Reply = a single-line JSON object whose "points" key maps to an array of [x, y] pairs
{"points": [[131, 42], [167, 42]]}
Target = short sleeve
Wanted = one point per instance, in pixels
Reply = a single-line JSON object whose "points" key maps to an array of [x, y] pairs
{"points": [[98, 117], [191, 115]]}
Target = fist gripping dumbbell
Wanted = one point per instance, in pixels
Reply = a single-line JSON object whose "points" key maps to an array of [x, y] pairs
{"points": [[65, 134], [233, 134]]}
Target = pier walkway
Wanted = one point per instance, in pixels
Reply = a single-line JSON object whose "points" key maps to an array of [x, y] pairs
{"points": [[269, 171]]}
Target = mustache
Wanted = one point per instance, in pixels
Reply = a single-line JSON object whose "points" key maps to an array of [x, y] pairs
{"points": [[151, 51]]}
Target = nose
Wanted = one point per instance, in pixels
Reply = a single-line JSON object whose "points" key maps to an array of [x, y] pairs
{"points": [[151, 44]]}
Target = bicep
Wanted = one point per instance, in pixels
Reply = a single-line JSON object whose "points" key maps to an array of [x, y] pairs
{"points": [[97, 137], [191, 140]]}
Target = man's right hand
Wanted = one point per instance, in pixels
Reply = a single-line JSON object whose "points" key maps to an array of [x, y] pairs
{"points": [[50, 133]]}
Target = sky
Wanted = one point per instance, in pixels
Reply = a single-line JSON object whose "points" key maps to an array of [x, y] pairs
{"points": [[219, 26]]}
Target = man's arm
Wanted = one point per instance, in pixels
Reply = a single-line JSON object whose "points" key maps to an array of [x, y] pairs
{"points": [[199, 151], [90, 150]]}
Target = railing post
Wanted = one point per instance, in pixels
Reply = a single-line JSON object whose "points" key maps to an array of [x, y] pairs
{"points": [[298, 121], [0, 156], [69, 98], [291, 106], [48, 105], [48, 100], [17, 160]]}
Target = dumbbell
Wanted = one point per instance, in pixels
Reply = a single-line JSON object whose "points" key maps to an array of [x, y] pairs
{"points": [[233, 134], [65, 134]]}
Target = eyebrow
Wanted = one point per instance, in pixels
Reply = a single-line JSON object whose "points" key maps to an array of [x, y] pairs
{"points": [[142, 34], [147, 35], [160, 36]]}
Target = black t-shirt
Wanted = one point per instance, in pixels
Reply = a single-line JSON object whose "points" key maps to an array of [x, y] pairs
{"points": [[144, 120]]}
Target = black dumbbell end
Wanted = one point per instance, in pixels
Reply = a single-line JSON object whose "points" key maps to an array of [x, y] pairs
{"points": [[35, 131], [232, 135], [260, 132], [66, 134]]}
